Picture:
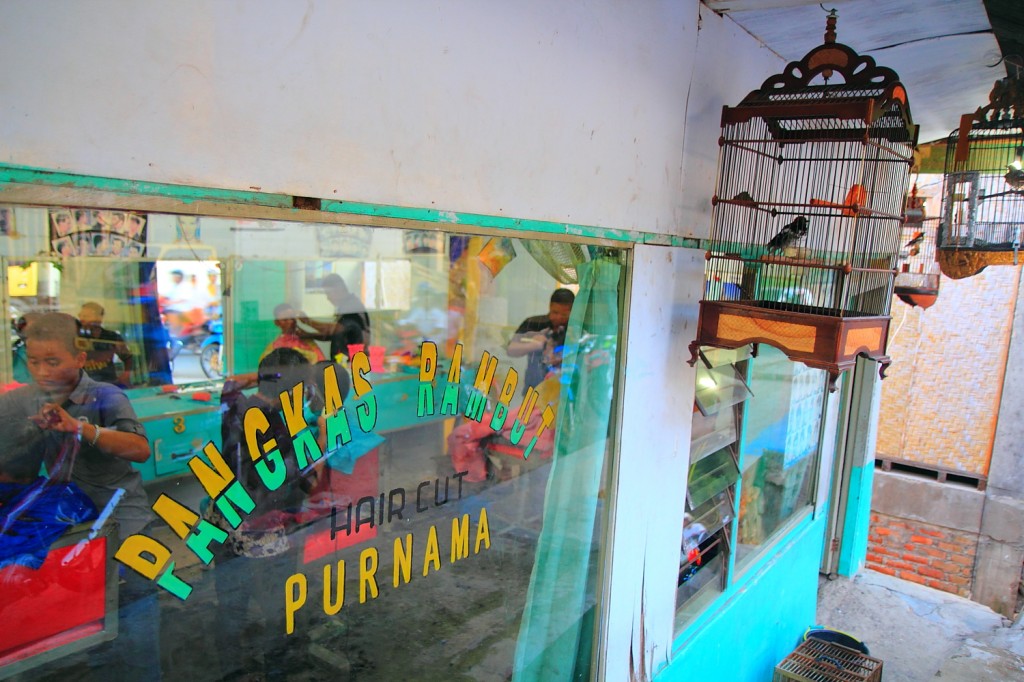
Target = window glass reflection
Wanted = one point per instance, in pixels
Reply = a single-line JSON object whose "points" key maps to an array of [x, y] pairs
{"points": [[350, 430], [781, 448]]}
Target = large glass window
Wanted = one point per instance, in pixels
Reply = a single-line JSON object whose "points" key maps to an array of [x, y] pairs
{"points": [[753, 463], [780, 451], [271, 448]]}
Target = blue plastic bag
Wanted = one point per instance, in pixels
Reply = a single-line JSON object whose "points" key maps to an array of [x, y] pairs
{"points": [[33, 515]]}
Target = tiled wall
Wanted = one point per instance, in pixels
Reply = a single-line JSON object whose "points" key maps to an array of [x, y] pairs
{"points": [[941, 394]]}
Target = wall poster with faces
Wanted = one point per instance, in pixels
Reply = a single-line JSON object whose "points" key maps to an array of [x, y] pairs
{"points": [[91, 232]]}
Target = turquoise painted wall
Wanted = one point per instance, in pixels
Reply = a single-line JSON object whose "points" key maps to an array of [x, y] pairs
{"points": [[761, 621], [854, 548]]}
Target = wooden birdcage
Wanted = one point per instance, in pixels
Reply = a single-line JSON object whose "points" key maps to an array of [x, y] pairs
{"points": [[983, 186], [813, 168], [917, 282]]}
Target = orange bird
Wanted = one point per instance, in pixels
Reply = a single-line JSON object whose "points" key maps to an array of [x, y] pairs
{"points": [[915, 240], [915, 243]]}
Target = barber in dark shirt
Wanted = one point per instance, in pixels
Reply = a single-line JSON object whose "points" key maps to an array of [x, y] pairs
{"points": [[351, 324], [541, 332]]}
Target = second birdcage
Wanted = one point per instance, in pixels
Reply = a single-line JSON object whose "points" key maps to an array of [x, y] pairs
{"points": [[918, 277], [807, 212], [983, 188]]}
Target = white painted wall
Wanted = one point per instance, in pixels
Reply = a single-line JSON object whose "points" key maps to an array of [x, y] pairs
{"points": [[566, 111], [594, 112], [650, 483]]}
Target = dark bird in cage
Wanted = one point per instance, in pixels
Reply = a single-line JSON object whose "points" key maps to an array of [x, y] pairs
{"points": [[789, 235], [745, 197]]}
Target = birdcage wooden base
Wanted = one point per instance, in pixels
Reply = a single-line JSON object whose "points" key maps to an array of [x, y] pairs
{"points": [[961, 263], [809, 335]]}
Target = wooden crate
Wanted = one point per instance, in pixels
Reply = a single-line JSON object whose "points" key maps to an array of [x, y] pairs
{"points": [[819, 661]]}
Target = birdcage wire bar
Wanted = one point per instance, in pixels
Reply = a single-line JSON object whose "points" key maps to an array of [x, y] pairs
{"points": [[808, 211], [919, 276], [845, 264]]}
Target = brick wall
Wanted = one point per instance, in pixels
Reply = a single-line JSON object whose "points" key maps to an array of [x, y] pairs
{"points": [[923, 553]]}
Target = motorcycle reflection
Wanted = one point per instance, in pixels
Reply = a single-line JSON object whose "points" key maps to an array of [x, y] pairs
{"points": [[211, 352], [190, 337]]}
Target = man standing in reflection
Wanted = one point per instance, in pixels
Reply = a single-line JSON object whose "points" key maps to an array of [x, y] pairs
{"points": [[101, 345], [541, 338], [351, 324]]}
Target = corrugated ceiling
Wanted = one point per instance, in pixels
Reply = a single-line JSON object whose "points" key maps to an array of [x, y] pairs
{"points": [[948, 53]]}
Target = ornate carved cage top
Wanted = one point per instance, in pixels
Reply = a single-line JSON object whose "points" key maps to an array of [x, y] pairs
{"points": [[813, 171], [983, 187]]}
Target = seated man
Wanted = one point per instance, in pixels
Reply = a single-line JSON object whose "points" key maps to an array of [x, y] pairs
{"points": [[260, 553], [101, 346], [285, 317]]}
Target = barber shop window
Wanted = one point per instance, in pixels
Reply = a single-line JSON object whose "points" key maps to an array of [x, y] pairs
{"points": [[713, 476], [753, 462], [255, 445], [780, 450]]}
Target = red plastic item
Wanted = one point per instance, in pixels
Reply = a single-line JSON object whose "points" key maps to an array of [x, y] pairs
{"points": [[202, 396], [53, 605], [338, 491]]}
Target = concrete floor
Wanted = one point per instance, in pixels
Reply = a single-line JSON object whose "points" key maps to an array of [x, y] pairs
{"points": [[923, 634]]}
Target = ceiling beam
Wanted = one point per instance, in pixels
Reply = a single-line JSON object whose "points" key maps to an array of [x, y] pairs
{"points": [[725, 6]]}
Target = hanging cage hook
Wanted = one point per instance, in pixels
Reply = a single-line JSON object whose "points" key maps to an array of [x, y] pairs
{"points": [[830, 24]]}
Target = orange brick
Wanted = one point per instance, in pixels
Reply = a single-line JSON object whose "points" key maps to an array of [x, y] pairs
{"points": [[883, 531], [934, 553], [900, 564], [886, 570], [912, 577], [962, 560], [933, 533], [930, 572], [950, 547], [920, 539], [915, 558]]}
